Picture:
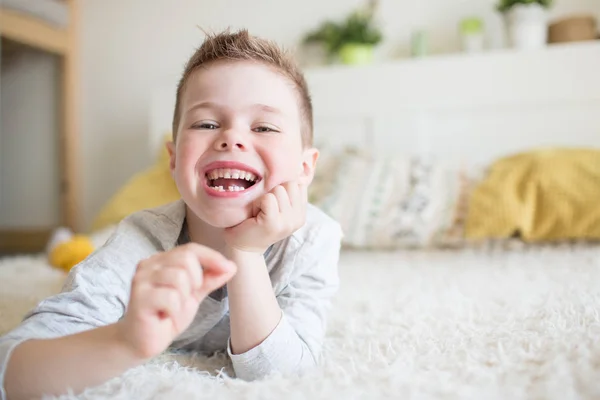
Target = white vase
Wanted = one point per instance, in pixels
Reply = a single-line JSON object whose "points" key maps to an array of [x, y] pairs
{"points": [[527, 26], [473, 43]]}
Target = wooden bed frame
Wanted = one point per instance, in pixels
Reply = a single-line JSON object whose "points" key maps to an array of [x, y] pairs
{"points": [[24, 29]]}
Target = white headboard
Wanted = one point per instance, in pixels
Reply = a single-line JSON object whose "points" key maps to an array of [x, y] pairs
{"points": [[465, 106]]}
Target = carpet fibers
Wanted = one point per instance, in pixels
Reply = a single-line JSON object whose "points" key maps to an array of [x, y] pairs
{"points": [[477, 324]]}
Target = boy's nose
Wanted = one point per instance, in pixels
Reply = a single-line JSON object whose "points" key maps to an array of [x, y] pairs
{"points": [[229, 141], [226, 145]]}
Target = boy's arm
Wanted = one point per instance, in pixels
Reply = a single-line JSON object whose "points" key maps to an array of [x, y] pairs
{"points": [[48, 366], [94, 295], [121, 306], [284, 333]]}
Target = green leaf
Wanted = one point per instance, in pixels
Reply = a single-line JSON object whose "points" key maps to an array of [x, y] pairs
{"points": [[505, 5], [357, 28]]}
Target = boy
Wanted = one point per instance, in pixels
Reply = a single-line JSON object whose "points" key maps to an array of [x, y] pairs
{"points": [[241, 264]]}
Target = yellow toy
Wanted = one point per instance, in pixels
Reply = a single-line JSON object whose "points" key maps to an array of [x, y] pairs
{"points": [[65, 249], [147, 189]]}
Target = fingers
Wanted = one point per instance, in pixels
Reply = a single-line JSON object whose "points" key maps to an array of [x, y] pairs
{"points": [[214, 280], [189, 264], [191, 269], [162, 290], [210, 261], [174, 278], [216, 268], [284, 204], [296, 197], [269, 207], [297, 193], [164, 302], [292, 191], [178, 262]]}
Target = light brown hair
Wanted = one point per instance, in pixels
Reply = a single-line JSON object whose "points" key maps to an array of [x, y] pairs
{"points": [[241, 46]]}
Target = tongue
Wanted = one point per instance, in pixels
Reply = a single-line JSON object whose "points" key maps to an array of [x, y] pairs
{"points": [[231, 182]]}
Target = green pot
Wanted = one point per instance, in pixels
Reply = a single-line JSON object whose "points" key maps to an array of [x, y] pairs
{"points": [[356, 54]]}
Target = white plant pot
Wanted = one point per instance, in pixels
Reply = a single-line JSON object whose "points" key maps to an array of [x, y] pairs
{"points": [[473, 43], [527, 26]]}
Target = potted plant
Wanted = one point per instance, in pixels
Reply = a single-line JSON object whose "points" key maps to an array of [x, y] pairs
{"points": [[472, 34], [321, 43], [526, 22], [352, 40], [358, 37]]}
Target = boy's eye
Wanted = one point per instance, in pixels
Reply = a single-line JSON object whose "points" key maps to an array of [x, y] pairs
{"points": [[205, 125], [264, 129]]}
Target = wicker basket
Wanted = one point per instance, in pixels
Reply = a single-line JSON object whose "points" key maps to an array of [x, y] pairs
{"points": [[573, 29]]}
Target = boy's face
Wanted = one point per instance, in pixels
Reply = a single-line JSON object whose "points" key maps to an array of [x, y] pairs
{"points": [[239, 137]]}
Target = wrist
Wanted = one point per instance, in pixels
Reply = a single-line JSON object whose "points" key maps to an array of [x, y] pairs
{"points": [[116, 334], [249, 264], [240, 255]]}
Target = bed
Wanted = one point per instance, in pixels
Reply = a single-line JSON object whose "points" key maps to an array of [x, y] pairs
{"points": [[500, 319]]}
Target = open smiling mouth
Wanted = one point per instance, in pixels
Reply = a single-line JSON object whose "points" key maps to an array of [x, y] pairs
{"points": [[230, 180]]}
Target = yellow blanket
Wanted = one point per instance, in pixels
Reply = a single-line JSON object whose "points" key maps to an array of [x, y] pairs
{"points": [[542, 195], [150, 188]]}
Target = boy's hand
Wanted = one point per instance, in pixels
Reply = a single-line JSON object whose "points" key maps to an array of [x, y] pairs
{"points": [[275, 216], [166, 291]]}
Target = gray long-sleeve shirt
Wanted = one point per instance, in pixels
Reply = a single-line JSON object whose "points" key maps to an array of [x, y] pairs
{"points": [[302, 268]]}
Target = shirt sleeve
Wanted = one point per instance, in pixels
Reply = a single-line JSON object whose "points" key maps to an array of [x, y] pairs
{"points": [[95, 294], [296, 343]]}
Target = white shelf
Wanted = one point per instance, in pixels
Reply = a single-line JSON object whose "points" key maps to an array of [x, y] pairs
{"points": [[489, 56], [558, 73]]}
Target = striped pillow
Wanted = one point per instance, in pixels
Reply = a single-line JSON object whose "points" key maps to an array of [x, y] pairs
{"points": [[390, 202]]}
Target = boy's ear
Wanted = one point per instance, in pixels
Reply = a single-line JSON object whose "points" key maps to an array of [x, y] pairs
{"points": [[171, 150], [309, 164]]}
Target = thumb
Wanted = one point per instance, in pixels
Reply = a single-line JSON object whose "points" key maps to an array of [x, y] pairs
{"points": [[214, 279], [216, 268]]}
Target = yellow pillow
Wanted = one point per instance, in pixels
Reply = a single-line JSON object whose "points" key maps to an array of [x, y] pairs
{"points": [[543, 195], [150, 188]]}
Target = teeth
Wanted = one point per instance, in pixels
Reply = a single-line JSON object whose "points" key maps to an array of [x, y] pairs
{"points": [[232, 188], [229, 173]]}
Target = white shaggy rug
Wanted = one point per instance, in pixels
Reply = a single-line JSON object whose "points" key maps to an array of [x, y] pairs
{"points": [[494, 324]]}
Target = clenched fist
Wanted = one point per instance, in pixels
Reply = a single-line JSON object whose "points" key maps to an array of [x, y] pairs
{"points": [[166, 291], [275, 216]]}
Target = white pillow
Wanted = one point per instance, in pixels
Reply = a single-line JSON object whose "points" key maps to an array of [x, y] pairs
{"points": [[390, 202]]}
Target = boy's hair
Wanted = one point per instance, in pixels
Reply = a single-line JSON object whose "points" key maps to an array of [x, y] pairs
{"points": [[241, 46]]}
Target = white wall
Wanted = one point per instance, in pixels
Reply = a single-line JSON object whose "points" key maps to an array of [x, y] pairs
{"points": [[29, 177], [131, 46]]}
